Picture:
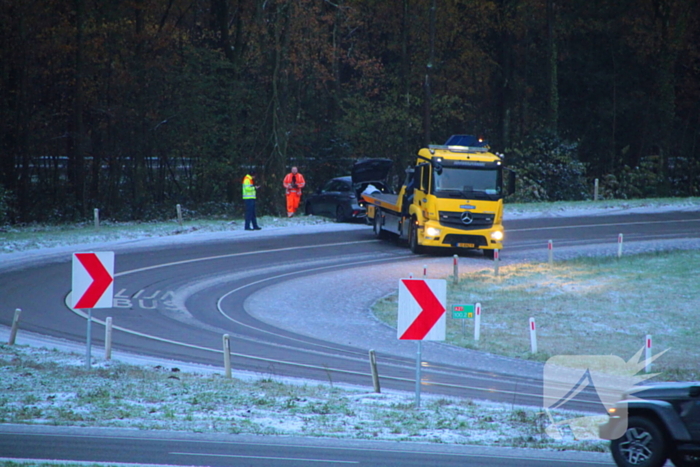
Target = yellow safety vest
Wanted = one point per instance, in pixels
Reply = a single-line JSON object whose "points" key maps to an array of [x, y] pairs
{"points": [[248, 187]]}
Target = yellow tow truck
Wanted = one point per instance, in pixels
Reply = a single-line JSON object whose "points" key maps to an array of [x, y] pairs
{"points": [[452, 198]]}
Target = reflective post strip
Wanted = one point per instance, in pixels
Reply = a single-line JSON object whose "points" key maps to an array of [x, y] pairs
{"points": [[647, 354]]}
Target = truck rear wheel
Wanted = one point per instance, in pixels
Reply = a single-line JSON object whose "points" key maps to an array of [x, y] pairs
{"points": [[413, 238], [377, 225]]}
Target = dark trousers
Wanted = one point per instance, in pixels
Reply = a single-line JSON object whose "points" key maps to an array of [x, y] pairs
{"points": [[251, 221]]}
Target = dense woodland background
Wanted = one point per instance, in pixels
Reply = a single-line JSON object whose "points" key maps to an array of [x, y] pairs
{"points": [[132, 106]]}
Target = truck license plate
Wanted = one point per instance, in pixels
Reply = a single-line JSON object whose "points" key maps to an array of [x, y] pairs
{"points": [[465, 245]]}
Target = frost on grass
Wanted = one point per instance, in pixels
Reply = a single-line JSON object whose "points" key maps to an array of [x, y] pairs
{"points": [[583, 306], [39, 236], [41, 386]]}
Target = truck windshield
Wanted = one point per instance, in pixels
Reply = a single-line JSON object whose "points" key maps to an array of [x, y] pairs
{"points": [[458, 182]]}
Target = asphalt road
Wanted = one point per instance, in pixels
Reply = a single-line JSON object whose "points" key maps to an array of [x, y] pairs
{"points": [[129, 446], [176, 302]]}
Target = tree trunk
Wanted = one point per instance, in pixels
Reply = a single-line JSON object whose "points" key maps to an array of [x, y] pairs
{"points": [[220, 14], [77, 156], [552, 70], [428, 73], [280, 139]]}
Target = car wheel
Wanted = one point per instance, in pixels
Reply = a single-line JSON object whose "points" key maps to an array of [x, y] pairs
{"points": [[685, 460], [490, 254], [642, 445], [340, 215], [413, 237]]}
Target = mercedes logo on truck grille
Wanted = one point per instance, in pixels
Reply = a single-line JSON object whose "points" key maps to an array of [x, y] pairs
{"points": [[466, 218]]}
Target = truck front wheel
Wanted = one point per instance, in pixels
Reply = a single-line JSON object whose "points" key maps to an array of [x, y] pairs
{"points": [[413, 237]]}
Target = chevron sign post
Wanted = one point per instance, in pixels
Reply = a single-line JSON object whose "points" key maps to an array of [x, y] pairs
{"points": [[421, 316], [92, 287]]}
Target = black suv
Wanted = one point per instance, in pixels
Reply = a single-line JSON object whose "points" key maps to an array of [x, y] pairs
{"points": [[655, 423]]}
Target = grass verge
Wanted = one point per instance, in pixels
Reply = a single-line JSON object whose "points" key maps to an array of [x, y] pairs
{"points": [[49, 387], [584, 306]]}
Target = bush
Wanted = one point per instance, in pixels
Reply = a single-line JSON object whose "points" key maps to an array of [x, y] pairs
{"points": [[548, 169], [5, 205], [642, 181]]}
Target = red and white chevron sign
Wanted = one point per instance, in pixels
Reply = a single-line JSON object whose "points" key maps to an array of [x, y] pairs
{"points": [[93, 280], [422, 309]]}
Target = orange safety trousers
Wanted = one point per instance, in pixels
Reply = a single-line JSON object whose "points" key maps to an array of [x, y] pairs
{"points": [[293, 198]]}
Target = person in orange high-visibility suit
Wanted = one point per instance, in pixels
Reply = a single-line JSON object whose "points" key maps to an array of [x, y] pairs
{"points": [[293, 183]]}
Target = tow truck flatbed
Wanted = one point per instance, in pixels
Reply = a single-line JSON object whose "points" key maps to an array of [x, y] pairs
{"points": [[386, 201]]}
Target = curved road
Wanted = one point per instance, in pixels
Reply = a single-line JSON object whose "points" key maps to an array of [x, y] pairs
{"points": [[176, 302]]}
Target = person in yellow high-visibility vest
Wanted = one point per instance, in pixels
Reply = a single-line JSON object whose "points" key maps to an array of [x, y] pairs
{"points": [[293, 183], [249, 195]]}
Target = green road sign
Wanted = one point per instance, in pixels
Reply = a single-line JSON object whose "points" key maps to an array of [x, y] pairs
{"points": [[462, 311]]}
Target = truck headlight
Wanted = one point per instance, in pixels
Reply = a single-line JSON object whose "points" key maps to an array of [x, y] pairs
{"points": [[432, 232], [497, 235]]}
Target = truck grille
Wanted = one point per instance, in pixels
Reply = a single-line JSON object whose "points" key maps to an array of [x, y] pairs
{"points": [[461, 220]]}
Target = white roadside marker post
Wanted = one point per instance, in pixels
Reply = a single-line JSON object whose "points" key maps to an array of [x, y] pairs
{"points": [[496, 260], [108, 338], [477, 322], [595, 190], [455, 269], [647, 354], [550, 248], [619, 246], [533, 336], [96, 214], [178, 208]]}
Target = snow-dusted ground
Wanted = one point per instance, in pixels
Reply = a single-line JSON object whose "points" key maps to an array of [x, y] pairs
{"points": [[24, 244], [50, 387], [292, 408]]}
